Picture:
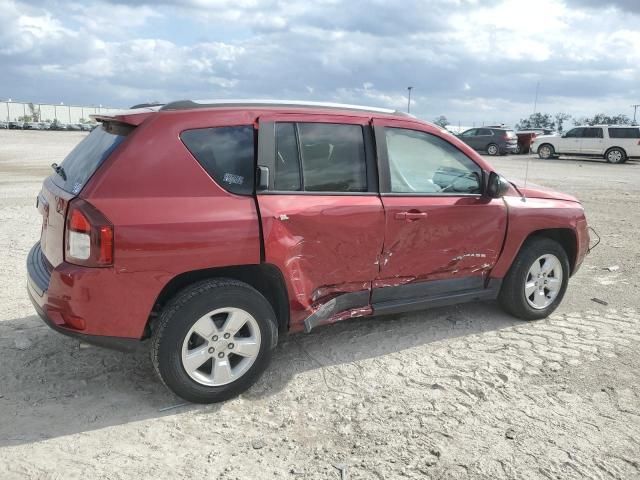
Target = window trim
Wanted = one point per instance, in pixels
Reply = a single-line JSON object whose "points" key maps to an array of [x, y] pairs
{"points": [[267, 155], [385, 171]]}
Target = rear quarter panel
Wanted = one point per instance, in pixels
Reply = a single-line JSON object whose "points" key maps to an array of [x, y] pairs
{"points": [[169, 216]]}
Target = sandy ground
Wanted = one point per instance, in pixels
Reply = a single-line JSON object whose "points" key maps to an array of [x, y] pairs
{"points": [[461, 392]]}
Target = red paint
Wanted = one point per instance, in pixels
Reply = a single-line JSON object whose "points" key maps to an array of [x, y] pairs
{"points": [[170, 217]]}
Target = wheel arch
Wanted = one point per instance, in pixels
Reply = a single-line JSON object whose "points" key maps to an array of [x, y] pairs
{"points": [[265, 278], [624, 151], [566, 237]]}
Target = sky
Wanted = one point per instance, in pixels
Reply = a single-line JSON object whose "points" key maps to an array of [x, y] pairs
{"points": [[473, 61]]}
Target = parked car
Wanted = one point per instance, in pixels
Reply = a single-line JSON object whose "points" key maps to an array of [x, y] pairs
{"points": [[32, 126], [526, 137], [493, 140], [16, 125], [74, 126], [262, 218], [613, 143], [4, 125]]}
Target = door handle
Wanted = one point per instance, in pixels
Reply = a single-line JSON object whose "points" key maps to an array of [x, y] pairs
{"points": [[410, 216]]}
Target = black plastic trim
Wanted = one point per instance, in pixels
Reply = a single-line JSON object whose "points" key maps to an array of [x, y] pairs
{"points": [[38, 269], [410, 304]]}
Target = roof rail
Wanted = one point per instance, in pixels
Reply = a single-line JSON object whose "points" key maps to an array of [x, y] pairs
{"points": [[192, 104]]}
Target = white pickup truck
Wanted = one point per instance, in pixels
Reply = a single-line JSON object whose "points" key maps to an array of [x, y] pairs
{"points": [[614, 143]]}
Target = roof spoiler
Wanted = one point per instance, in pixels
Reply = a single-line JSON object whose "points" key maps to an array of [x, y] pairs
{"points": [[133, 116]]}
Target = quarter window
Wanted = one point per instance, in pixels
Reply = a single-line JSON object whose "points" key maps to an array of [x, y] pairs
{"points": [[624, 132], [227, 155], [423, 163], [332, 158]]}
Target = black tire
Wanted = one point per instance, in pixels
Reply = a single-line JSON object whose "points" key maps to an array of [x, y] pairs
{"points": [[493, 149], [542, 151], [615, 155], [518, 150], [512, 295], [181, 313]]}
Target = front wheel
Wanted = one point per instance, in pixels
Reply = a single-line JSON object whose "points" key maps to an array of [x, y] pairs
{"points": [[537, 280], [213, 340]]}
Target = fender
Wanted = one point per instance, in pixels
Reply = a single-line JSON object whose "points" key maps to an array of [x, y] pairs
{"points": [[538, 214]]}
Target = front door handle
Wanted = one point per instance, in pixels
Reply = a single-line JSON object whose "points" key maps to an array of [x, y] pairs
{"points": [[410, 216]]}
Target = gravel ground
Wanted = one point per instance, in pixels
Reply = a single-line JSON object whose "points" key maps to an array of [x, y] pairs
{"points": [[460, 392]]}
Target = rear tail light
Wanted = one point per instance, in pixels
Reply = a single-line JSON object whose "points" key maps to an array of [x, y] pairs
{"points": [[88, 236]]}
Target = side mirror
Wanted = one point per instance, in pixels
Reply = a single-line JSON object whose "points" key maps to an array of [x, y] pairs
{"points": [[262, 182], [496, 186]]}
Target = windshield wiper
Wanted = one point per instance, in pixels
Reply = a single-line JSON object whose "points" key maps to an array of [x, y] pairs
{"points": [[59, 170]]}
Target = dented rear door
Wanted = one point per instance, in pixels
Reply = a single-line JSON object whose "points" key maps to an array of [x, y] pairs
{"points": [[322, 218]]}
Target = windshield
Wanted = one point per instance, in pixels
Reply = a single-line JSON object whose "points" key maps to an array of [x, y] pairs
{"points": [[85, 159]]}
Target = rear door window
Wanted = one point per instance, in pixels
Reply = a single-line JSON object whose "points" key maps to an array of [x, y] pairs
{"points": [[330, 156], [592, 133], [85, 159], [624, 132], [226, 154]]}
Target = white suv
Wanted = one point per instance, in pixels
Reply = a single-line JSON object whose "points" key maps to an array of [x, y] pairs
{"points": [[615, 143]]}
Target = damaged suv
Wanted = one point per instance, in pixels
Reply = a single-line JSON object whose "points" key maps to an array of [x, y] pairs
{"points": [[211, 228]]}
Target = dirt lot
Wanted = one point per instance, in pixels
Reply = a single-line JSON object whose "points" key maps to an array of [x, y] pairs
{"points": [[461, 392]]}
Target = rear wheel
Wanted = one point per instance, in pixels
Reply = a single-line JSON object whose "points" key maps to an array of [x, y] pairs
{"points": [[537, 280], [493, 149], [546, 151], [213, 340], [615, 155]]}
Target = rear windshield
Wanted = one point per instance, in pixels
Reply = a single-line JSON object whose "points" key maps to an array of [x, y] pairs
{"points": [[85, 159], [624, 132]]}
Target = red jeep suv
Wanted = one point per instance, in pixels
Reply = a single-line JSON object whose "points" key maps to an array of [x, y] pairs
{"points": [[211, 228]]}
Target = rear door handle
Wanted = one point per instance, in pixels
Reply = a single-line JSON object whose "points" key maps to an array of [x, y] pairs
{"points": [[410, 216]]}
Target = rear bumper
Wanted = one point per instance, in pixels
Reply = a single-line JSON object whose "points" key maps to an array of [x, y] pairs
{"points": [[57, 310], [509, 148]]}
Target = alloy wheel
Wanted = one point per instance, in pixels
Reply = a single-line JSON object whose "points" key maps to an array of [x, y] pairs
{"points": [[221, 346], [544, 281]]}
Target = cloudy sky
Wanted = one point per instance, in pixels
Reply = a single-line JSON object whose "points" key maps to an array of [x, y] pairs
{"points": [[472, 61]]}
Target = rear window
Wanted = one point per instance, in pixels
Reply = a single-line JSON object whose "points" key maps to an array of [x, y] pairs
{"points": [[624, 132], [85, 159], [227, 155]]}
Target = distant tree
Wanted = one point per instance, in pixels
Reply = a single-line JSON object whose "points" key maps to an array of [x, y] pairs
{"points": [[560, 119], [602, 119], [535, 120], [35, 112], [83, 120], [441, 121], [25, 118]]}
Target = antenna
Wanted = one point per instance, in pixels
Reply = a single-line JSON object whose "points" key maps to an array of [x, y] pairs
{"points": [[526, 169]]}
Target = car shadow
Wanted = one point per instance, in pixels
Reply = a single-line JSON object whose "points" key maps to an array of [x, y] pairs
{"points": [[51, 385]]}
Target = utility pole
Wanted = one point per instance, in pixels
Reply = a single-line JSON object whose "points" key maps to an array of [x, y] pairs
{"points": [[535, 102], [409, 100], [635, 108]]}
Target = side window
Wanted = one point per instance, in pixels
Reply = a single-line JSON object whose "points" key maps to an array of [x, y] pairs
{"points": [[574, 133], [485, 132], [287, 162], [629, 132], [226, 154], [592, 133], [423, 163], [470, 133]]}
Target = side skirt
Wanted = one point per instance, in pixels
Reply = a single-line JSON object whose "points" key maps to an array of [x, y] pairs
{"points": [[403, 298]]}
